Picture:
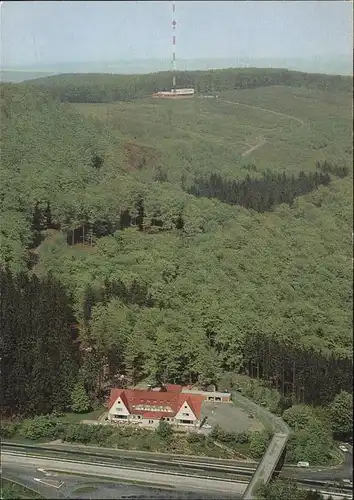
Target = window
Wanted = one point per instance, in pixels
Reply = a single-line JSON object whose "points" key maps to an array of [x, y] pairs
{"points": [[168, 419], [185, 414], [151, 421], [185, 406]]}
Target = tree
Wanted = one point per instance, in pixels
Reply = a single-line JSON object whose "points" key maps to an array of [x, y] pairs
{"points": [[281, 489], [258, 443], [38, 350], [298, 416], [80, 402], [313, 444], [341, 414], [164, 430]]}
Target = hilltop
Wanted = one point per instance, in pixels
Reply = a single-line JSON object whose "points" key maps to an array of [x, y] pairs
{"points": [[339, 65]]}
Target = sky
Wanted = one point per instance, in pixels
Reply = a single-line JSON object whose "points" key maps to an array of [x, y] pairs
{"points": [[69, 31]]}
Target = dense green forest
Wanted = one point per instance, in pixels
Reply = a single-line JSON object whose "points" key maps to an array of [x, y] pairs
{"points": [[157, 246], [107, 88]]}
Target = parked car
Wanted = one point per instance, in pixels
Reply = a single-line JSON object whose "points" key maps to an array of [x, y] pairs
{"points": [[303, 464], [343, 448]]}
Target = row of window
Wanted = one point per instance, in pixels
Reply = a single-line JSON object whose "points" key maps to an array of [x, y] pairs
{"points": [[138, 417]]}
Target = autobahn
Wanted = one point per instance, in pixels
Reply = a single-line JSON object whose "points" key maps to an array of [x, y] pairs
{"points": [[202, 473], [179, 481], [179, 462]]}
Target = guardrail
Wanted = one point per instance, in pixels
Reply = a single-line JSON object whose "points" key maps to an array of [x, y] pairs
{"points": [[270, 421], [275, 448]]}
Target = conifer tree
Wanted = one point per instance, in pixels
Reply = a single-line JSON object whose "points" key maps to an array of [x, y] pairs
{"points": [[80, 402]]}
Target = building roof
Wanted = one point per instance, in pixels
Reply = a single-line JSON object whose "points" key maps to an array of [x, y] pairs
{"points": [[173, 388], [195, 403], [163, 404]]}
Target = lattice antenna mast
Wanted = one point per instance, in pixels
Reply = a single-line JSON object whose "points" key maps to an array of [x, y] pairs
{"points": [[174, 23]]}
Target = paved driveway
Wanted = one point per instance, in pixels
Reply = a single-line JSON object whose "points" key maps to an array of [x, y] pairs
{"points": [[230, 417]]}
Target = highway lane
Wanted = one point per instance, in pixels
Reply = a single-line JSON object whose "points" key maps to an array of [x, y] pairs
{"points": [[183, 483], [73, 486], [131, 455], [14, 464], [186, 463], [345, 471], [181, 468]]}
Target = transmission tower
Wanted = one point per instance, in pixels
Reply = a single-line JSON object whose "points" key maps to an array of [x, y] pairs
{"points": [[174, 23]]}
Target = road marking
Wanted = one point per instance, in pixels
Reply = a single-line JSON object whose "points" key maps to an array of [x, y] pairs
{"points": [[48, 484], [44, 472], [47, 473]]}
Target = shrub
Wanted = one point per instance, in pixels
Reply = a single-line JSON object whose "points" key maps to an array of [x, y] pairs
{"points": [[194, 438], [312, 444], [42, 426], [79, 433], [86, 434], [59, 430], [164, 430], [8, 430], [243, 437], [260, 394], [258, 443], [298, 416], [229, 438]]}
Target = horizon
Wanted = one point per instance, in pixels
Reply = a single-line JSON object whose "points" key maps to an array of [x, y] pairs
{"points": [[340, 65], [166, 60]]}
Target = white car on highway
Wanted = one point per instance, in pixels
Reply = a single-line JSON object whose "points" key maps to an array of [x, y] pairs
{"points": [[343, 448], [303, 464]]}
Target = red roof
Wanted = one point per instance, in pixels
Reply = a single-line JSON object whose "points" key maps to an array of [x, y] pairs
{"points": [[172, 401], [173, 388], [195, 402]]}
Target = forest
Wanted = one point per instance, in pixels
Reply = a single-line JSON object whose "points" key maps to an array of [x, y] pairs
{"points": [[137, 239], [107, 88]]}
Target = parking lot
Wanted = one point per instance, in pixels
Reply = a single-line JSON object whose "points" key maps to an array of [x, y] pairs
{"points": [[230, 417]]}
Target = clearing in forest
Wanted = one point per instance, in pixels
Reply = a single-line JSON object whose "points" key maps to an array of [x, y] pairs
{"points": [[278, 128]]}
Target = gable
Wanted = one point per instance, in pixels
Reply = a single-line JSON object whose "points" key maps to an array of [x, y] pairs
{"points": [[119, 407], [186, 412]]}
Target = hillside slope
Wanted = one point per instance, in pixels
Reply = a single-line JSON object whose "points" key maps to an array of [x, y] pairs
{"points": [[173, 286]]}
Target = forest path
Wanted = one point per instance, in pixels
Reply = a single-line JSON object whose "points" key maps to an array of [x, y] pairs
{"points": [[264, 109], [259, 144]]}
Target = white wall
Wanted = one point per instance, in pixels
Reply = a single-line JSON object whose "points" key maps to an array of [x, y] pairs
{"points": [[147, 422], [185, 408], [118, 408]]}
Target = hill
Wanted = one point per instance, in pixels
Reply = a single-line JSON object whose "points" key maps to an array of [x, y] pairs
{"points": [[338, 65], [98, 87], [171, 280]]}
